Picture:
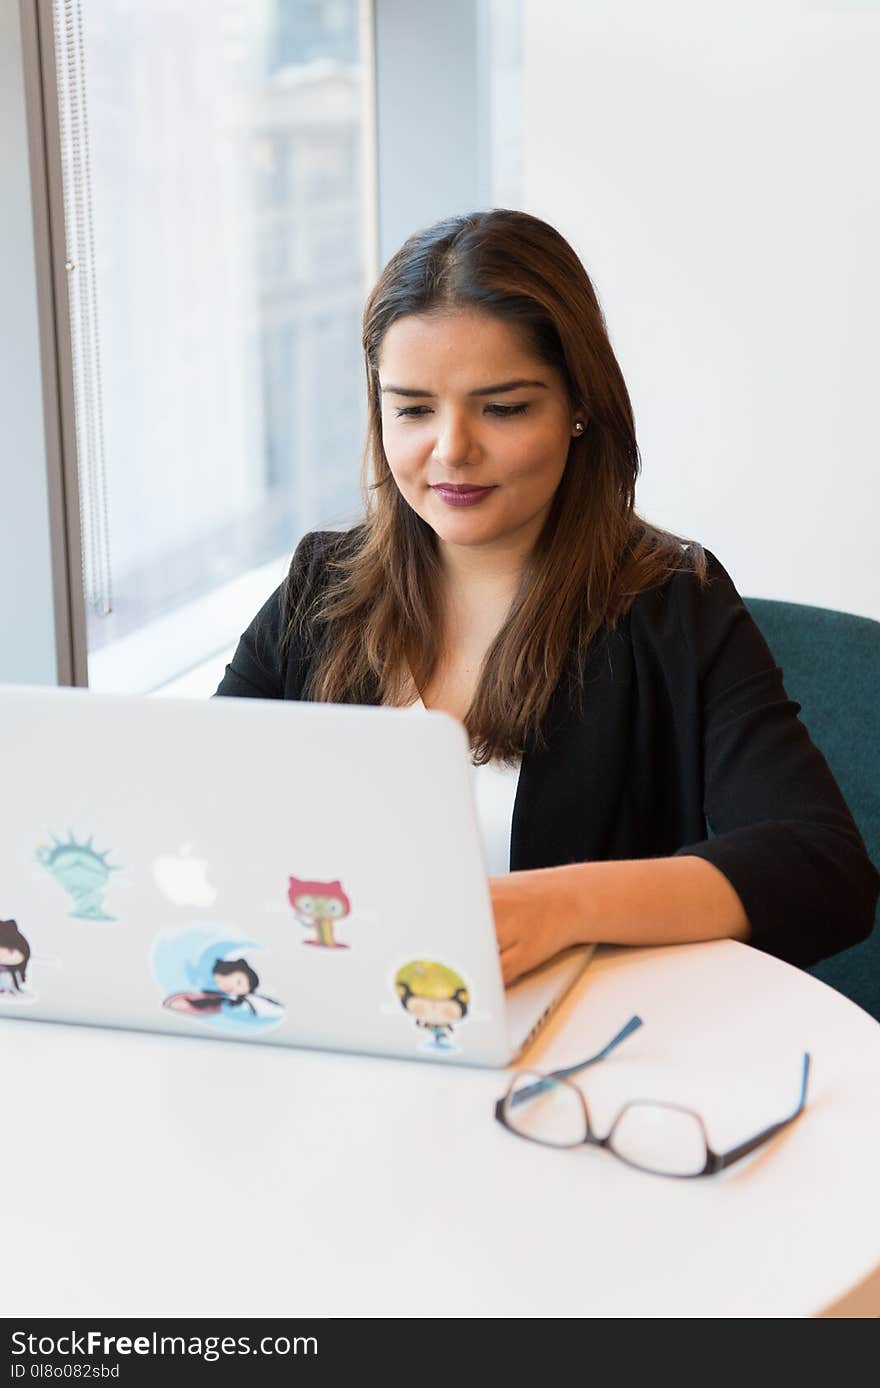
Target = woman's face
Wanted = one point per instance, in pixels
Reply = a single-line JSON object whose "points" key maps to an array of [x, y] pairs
{"points": [[467, 410]]}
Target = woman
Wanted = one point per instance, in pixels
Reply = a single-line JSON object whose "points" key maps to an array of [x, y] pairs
{"points": [[618, 697]]}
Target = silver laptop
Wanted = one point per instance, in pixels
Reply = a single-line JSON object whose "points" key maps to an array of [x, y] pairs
{"points": [[246, 869]]}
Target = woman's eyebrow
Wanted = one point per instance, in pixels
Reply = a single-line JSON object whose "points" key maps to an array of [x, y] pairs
{"points": [[484, 390]]}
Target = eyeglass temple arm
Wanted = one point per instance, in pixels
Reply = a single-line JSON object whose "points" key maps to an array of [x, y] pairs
{"points": [[723, 1159], [632, 1025], [538, 1087]]}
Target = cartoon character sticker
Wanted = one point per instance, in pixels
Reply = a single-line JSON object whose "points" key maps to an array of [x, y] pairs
{"points": [[437, 999], [235, 985], [82, 871], [204, 973], [15, 953], [318, 906]]}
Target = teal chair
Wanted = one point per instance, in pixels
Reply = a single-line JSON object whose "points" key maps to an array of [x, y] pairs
{"points": [[831, 664]]}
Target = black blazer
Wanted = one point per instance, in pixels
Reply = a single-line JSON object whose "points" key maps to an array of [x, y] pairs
{"points": [[684, 725]]}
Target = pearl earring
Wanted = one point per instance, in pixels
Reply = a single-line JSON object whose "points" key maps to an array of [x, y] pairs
{"points": [[578, 428]]}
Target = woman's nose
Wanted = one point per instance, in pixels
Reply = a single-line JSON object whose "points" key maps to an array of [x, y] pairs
{"points": [[454, 445]]}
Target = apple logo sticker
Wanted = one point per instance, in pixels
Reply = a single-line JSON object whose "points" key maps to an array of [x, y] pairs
{"points": [[183, 879]]}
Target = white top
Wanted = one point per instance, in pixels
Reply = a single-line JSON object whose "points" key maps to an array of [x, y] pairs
{"points": [[495, 792]]}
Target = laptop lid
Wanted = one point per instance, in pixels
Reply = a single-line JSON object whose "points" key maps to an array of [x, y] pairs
{"points": [[299, 874]]}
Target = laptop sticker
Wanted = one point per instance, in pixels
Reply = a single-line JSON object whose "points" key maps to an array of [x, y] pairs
{"points": [[82, 871], [319, 906], [208, 975], [436, 998], [15, 954], [182, 878]]}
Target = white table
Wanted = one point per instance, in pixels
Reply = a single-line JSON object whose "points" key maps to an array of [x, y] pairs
{"points": [[152, 1176]]}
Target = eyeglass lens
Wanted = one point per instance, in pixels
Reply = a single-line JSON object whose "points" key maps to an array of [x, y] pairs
{"points": [[655, 1137], [546, 1110]]}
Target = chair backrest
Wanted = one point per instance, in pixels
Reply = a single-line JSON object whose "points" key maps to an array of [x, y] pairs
{"points": [[831, 664]]}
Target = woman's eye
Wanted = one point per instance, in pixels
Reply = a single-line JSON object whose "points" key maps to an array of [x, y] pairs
{"points": [[499, 411]]}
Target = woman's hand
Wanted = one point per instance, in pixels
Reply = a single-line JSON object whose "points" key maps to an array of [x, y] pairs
{"points": [[535, 917]]}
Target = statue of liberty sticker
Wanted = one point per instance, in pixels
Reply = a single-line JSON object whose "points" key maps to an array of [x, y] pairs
{"points": [[83, 872], [436, 998]]}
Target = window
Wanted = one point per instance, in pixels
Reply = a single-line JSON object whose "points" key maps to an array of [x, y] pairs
{"points": [[215, 206]]}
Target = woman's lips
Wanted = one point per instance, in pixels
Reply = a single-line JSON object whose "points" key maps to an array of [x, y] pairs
{"points": [[461, 495]]}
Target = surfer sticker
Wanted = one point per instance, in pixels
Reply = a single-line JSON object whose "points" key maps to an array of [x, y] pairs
{"points": [[209, 975]]}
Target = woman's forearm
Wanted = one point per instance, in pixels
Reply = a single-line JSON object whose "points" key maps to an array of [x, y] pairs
{"points": [[652, 901]]}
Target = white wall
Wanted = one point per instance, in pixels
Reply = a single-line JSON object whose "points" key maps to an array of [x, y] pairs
{"points": [[715, 166], [431, 120]]}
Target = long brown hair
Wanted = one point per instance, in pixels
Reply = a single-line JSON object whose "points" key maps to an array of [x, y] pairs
{"points": [[380, 607]]}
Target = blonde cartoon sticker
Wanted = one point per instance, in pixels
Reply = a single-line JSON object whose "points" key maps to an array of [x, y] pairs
{"points": [[206, 974], [436, 998], [318, 907], [15, 953], [82, 871]]}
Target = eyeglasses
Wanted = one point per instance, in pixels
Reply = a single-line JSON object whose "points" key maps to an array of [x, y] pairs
{"points": [[665, 1139]]}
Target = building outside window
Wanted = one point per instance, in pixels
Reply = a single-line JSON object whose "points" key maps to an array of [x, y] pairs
{"points": [[217, 205]]}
